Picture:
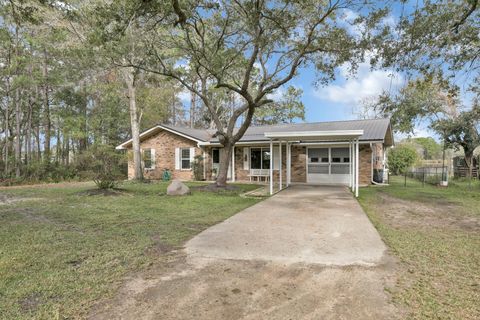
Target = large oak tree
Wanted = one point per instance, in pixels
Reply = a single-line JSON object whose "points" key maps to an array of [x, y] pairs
{"points": [[250, 49]]}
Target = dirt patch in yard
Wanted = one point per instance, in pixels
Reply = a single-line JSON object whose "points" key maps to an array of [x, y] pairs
{"points": [[8, 199], [438, 213], [231, 289], [212, 187], [31, 302], [104, 192]]}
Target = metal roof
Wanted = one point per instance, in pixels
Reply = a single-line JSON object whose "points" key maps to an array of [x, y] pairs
{"points": [[373, 130]]}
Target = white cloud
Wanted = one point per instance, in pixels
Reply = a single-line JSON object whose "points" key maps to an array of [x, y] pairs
{"points": [[277, 94], [367, 83], [347, 20], [390, 21], [422, 133]]}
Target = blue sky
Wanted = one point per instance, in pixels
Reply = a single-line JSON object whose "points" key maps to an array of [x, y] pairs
{"points": [[342, 98]]}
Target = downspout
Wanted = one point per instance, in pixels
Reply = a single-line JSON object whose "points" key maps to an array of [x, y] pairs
{"points": [[371, 167]]}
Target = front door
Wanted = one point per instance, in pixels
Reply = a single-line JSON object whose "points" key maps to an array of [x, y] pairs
{"points": [[328, 165]]}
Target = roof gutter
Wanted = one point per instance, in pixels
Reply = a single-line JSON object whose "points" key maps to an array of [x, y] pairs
{"points": [[314, 134]]}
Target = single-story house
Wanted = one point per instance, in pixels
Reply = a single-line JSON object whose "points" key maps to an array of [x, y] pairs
{"points": [[336, 152]]}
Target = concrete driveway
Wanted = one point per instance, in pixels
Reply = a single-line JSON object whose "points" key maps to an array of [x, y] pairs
{"points": [[302, 224], [305, 253]]}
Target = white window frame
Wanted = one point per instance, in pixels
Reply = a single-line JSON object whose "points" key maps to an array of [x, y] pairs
{"points": [[182, 159], [152, 158], [275, 156]]}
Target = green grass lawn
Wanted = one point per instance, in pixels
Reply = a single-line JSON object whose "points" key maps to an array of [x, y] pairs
{"points": [[435, 233], [62, 250]]}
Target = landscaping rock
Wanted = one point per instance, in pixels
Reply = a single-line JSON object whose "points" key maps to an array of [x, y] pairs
{"points": [[177, 188]]}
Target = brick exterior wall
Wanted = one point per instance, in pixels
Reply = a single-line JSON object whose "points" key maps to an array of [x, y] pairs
{"points": [[240, 173], [299, 164], [365, 165], [164, 144]]}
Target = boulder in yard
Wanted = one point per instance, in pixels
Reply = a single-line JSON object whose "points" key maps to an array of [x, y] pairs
{"points": [[177, 188]]}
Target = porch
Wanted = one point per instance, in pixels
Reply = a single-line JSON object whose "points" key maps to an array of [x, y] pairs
{"points": [[332, 157], [322, 158]]}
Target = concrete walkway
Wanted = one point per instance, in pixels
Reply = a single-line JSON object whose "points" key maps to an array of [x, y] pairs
{"points": [[302, 224]]}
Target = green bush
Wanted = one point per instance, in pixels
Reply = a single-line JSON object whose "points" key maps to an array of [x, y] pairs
{"points": [[39, 171], [197, 167], [401, 157], [103, 165]]}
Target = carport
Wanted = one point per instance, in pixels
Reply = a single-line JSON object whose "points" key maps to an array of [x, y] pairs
{"points": [[322, 167]]}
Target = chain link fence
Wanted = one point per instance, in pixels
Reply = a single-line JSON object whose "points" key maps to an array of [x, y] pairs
{"points": [[429, 175]]}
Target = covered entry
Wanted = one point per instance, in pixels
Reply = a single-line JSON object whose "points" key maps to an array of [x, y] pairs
{"points": [[332, 156]]}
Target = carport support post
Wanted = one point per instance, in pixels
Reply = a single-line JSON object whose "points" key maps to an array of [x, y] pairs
{"points": [[280, 165], [271, 167], [233, 164], [356, 168], [353, 165], [288, 163], [350, 164]]}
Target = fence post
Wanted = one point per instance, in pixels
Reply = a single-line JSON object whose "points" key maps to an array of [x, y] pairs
{"points": [[423, 179]]}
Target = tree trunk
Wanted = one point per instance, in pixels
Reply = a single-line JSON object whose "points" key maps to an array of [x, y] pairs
{"points": [[58, 146], [83, 141], [28, 137], [174, 109], [193, 102], [7, 116], [67, 150], [130, 77], [37, 139], [224, 164], [18, 133], [48, 123], [228, 140], [469, 161]]}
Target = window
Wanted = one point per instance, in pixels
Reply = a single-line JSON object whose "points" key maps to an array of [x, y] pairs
{"points": [[260, 158], [185, 158], [340, 155], [340, 160], [149, 159], [316, 155]]}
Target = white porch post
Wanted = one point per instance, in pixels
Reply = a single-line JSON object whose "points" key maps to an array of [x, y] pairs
{"points": [[353, 166], [350, 163], [288, 163], [356, 169], [204, 164], [271, 167], [280, 187], [233, 164]]}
